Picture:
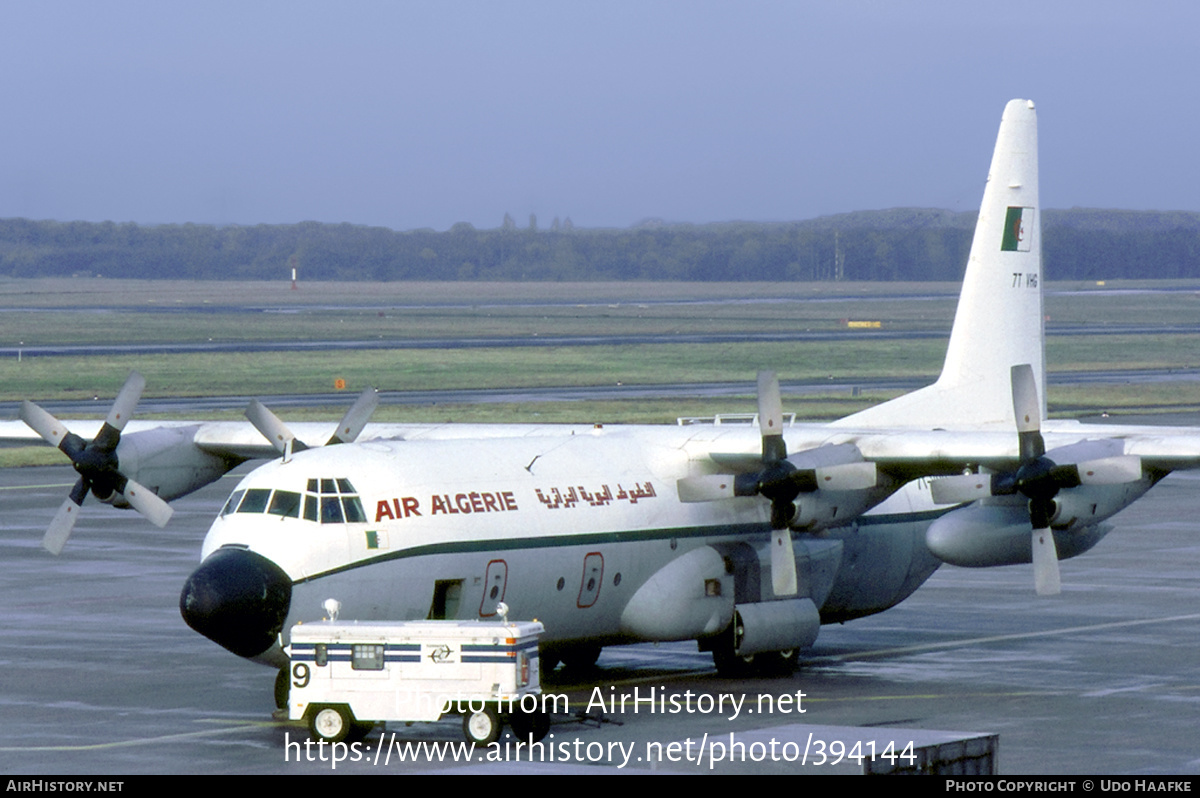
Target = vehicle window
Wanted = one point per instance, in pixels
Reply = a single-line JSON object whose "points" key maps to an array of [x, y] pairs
{"points": [[331, 510], [233, 502], [367, 657], [255, 501], [354, 510], [311, 507], [285, 503]]}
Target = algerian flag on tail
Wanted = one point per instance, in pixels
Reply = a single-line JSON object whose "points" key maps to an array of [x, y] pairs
{"points": [[1017, 223]]}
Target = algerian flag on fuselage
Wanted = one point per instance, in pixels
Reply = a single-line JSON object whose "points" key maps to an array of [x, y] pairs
{"points": [[1017, 223]]}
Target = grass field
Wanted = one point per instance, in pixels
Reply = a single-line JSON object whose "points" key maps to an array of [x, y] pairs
{"points": [[96, 311]]}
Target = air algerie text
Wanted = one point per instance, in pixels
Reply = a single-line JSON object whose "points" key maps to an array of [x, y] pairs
{"points": [[445, 504]]}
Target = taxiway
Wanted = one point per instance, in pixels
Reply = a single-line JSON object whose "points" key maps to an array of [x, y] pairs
{"points": [[102, 676]]}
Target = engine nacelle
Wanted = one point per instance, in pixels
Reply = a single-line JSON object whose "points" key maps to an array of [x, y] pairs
{"points": [[982, 535], [167, 461], [825, 509], [1088, 504]]}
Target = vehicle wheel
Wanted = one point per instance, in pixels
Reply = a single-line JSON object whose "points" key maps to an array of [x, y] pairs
{"points": [[331, 724], [482, 727], [581, 658], [283, 687], [526, 725]]}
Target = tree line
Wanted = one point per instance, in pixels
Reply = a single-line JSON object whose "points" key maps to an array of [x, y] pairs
{"points": [[896, 244]]}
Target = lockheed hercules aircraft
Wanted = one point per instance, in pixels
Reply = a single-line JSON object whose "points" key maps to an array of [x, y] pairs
{"points": [[745, 538]]}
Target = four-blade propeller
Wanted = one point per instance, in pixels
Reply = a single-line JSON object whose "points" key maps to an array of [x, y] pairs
{"points": [[1038, 478], [97, 463], [781, 479], [283, 439]]}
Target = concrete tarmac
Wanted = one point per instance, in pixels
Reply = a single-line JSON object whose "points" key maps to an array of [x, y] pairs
{"points": [[101, 676]]}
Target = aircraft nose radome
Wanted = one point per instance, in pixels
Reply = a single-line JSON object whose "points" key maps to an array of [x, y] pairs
{"points": [[238, 599]]}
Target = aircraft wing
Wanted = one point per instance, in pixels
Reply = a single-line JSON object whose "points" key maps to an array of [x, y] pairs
{"points": [[907, 454], [1160, 448]]}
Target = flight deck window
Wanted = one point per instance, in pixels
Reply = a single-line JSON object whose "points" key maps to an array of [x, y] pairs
{"points": [[332, 501], [255, 501], [331, 510], [285, 503], [233, 502], [354, 510]]}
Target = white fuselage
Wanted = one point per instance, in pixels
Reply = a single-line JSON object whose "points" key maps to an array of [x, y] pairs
{"points": [[566, 525]]}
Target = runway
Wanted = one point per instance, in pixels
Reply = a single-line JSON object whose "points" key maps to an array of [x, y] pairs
{"points": [[102, 676]]}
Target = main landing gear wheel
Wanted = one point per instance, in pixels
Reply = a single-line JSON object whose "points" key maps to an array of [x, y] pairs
{"points": [[526, 725], [732, 666], [779, 663], [331, 724], [548, 660], [482, 727], [765, 663], [581, 658]]}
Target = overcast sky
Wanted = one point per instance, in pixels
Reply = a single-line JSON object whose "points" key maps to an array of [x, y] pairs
{"points": [[423, 114]]}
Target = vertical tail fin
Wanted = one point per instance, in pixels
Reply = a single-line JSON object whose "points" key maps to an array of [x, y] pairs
{"points": [[999, 322]]}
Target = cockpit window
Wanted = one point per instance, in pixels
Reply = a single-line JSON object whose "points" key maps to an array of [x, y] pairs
{"points": [[331, 510], [233, 502], [255, 501], [354, 510], [285, 503], [327, 501]]}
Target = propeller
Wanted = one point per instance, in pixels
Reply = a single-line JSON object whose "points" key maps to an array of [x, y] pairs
{"points": [[781, 480], [1038, 478], [283, 439], [97, 464]]}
